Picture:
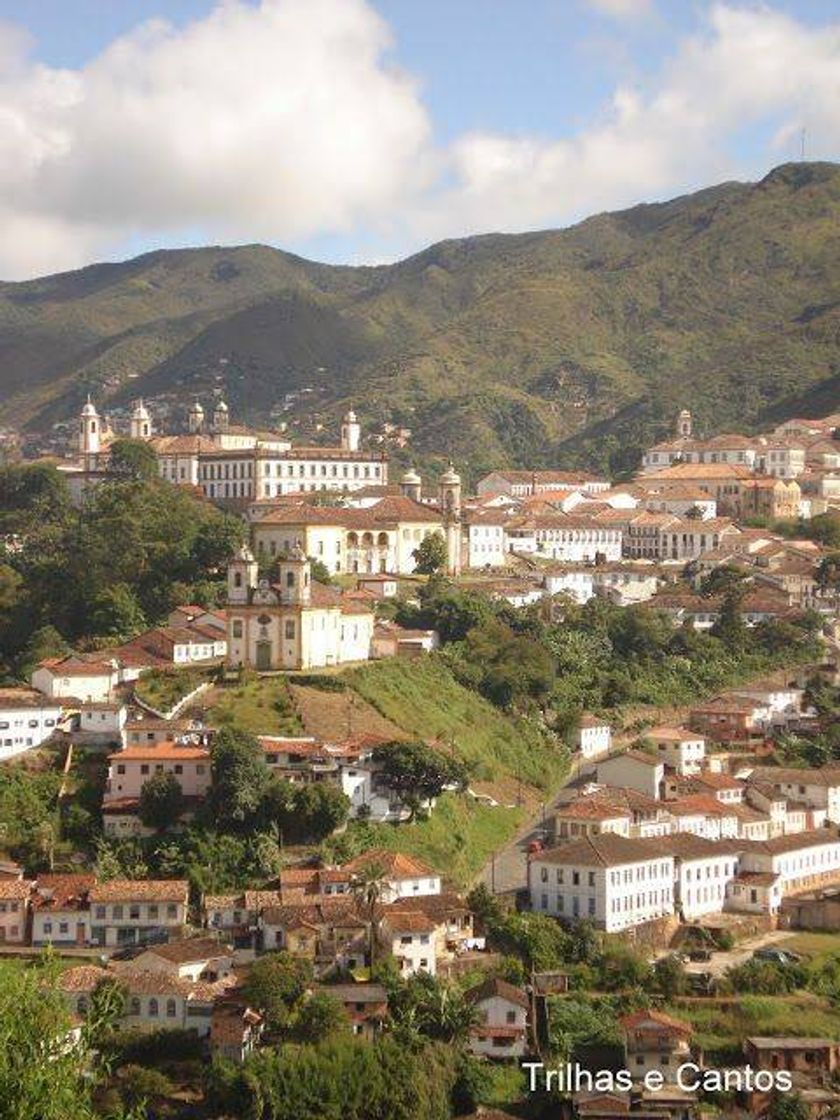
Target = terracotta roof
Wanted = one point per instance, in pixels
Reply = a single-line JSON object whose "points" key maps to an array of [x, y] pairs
{"points": [[408, 921], [62, 892], [132, 890], [15, 888], [82, 978], [498, 989], [606, 850], [394, 865], [658, 1018], [20, 697], [190, 949], [160, 752], [596, 807], [671, 734]]}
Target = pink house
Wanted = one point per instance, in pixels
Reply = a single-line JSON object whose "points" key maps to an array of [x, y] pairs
{"points": [[14, 910], [130, 769]]}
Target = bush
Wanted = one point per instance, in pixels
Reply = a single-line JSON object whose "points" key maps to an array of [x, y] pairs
{"points": [[147, 1048], [321, 681]]}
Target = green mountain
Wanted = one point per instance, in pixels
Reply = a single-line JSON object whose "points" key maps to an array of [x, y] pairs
{"points": [[542, 348]]}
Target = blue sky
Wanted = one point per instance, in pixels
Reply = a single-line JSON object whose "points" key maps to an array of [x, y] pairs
{"points": [[362, 129]]}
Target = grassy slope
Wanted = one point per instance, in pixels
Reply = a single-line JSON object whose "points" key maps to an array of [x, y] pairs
{"points": [[491, 347], [260, 705], [424, 699]]}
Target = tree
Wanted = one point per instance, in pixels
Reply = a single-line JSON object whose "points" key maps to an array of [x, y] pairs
{"points": [[40, 1075], [133, 459], [106, 1009], [320, 572], [276, 984], [431, 555], [321, 808], [788, 1106], [574, 1021], [161, 801], [320, 1017], [670, 976], [369, 886], [140, 1085], [241, 778], [116, 612], [418, 773], [730, 626]]}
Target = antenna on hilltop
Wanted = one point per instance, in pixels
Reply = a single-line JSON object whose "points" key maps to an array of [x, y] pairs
{"points": [[803, 133]]}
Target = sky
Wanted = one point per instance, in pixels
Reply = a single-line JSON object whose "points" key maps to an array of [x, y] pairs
{"points": [[359, 131]]}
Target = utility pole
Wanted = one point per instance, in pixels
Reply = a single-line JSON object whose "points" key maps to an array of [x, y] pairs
{"points": [[803, 133]]}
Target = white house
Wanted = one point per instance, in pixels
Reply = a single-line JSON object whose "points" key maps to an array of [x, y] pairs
{"points": [[130, 769], [702, 871], [76, 677], [614, 882], [594, 736], [501, 1027], [405, 876], [789, 864], [131, 911], [634, 769], [681, 749], [819, 789], [61, 910], [190, 958], [409, 937], [102, 721], [27, 720], [484, 538]]}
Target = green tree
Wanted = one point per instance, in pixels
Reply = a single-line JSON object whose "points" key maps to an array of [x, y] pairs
{"points": [[431, 555], [788, 1106], [416, 772], [730, 626], [116, 612], [133, 459], [575, 1021], [106, 1009], [241, 778], [670, 976], [320, 1017], [40, 1075], [321, 808], [320, 572], [161, 801], [276, 984], [140, 1086]]}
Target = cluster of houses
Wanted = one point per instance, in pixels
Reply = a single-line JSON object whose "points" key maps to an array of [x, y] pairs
{"points": [[667, 831], [182, 748]]}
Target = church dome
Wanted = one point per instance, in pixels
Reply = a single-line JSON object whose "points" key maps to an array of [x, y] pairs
{"points": [[411, 478], [140, 412], [89, 409], [450, 477]]}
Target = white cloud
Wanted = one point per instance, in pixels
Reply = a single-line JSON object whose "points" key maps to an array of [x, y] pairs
{"points": [[622, 9], [275, 122], [749, 69], [286, 121]]}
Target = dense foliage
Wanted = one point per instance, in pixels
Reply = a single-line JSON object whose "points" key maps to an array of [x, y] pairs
{"points": [[134, 549]]}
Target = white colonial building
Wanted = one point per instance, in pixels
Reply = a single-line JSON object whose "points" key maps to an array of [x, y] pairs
{"points": [[615, 882], [27, 719]]}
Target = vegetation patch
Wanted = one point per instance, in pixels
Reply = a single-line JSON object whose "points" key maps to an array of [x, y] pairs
{"points": [[162, 689], [259, 705]]}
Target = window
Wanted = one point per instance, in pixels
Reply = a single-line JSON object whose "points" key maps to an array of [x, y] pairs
{"points": [[170, 1008], [134, 1006], [289, 628], [236, 628], [134, 912], [153, 1008], [171, 910], [511, 1016], [153, 910], [117, 913], [99, 912]]}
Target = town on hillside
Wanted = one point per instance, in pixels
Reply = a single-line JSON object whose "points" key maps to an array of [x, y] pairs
{"points": [[308, 774]]}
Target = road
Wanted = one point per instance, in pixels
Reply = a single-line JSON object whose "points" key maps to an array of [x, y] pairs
{"points": [[507, 870]]}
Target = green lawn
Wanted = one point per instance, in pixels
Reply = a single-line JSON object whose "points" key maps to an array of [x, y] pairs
{"points": [[816, 946], [457, 839], [163, 688], [260, 705], [722, 1028], [425, 699]]}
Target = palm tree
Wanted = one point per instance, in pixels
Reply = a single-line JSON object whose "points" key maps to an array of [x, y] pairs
{"points": [[446, 1015], [369, 886]]}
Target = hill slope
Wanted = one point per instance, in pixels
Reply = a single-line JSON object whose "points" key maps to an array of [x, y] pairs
{"points": [[500, 348]]}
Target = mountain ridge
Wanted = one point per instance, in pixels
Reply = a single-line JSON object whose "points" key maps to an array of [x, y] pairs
{"points": [[541, 348]]}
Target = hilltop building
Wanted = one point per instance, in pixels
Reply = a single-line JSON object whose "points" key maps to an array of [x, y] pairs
{"points": [[228, 461], [293, 622]]}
